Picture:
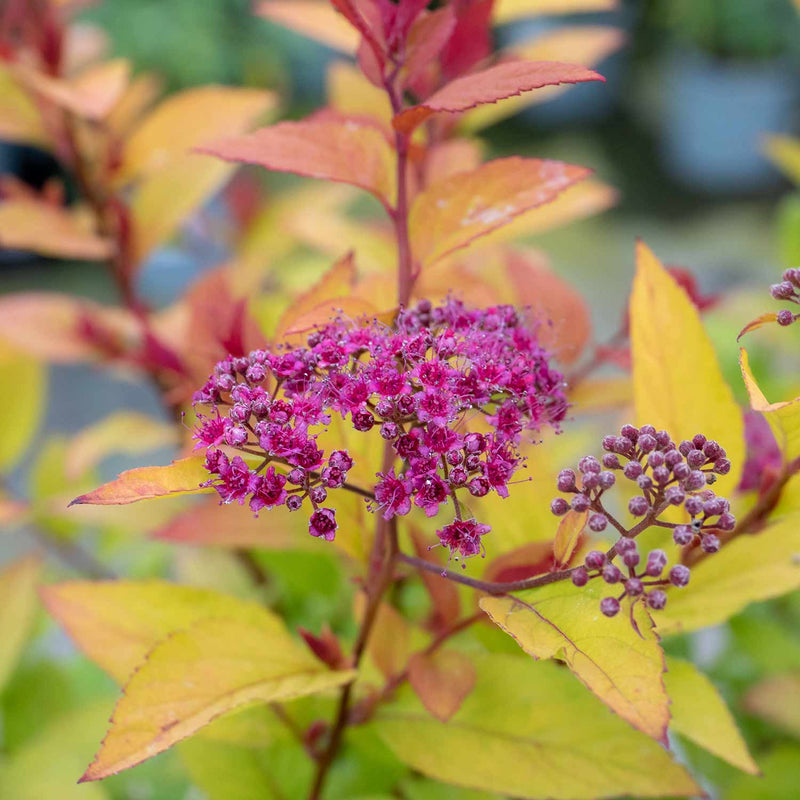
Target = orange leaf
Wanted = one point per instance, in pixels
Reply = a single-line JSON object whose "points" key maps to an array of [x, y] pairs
{"points": [[450, 214], [49, 230], [347, 150], [143, 483], [337, 282], [426, 38], [390, 641], [568, 535], [563, 313], [758, 322], [315, 19], [442, 681], [490, 85]]}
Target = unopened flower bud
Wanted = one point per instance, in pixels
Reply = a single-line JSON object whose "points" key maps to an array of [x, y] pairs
{"points": [[609, 606], [597, 523], [611, 573], [580, 503], [710, 543], [679, 575], [580, 577], [559, 506], [656, 561], [634, 587], [638, 506], [682, 535], [656, 599], [566, 480], [595, 559]]}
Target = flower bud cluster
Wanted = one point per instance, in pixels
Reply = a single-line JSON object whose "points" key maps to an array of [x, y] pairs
{"points": [[666, 475], [416, 384], [787, 289]]}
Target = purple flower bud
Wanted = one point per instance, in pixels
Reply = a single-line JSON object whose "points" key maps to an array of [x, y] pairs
{"points": [[695, 481], [580, 503], [694, 505], [661, 475], [235, 436], [318, 494], [682, 535], [454, 457], [625, 545], [632, 470], [722, 466], [656, 599], [611, 573], [631, 558], [255, 373], [384, 408], [609, 442], [785, 317], [479, 487], [624, 445], [663, 439], [644, 482], [656, 561], [363, 420], [606, 479], [695, 459], [713, 507], [296, 476], [566, 480], [674, 495], [629, 432], [472, 462], [597, 523], [726, 522], [610, 461], [686, 447], [698, 440], [655, 459], [474, 443], [294, 502], [792, 275], [672, 457], [609, 606], [711, 449], [681, 471], [589, 464], [647, 443], [559, 506], [595, 559], [389, 430], [647, 429], [638, 506], [633, 587], [323, 524], [679, 575], [458, 476], [782, 291], [591, 480], [710, 543], [580, 577]]}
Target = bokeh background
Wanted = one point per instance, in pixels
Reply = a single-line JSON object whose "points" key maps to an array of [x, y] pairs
{"points": [[679, 129]]}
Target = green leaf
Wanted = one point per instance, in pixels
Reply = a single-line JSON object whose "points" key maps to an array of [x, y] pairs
{"points": [[195, 676], [747, 569], [18, 605], [45, 767], [622, 666], [781, 777], [530, 730], [677, 381], [23, 407], [700, 714], [116, 623]]}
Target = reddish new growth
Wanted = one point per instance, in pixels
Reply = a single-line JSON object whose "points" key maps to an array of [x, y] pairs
{"points": [[666, 475], [418, 385]]}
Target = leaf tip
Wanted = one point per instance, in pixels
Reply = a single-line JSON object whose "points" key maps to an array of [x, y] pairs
{"points": [[78, 501]]}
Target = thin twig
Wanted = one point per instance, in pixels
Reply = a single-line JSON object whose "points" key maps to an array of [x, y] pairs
{"points": [[73, 556]]}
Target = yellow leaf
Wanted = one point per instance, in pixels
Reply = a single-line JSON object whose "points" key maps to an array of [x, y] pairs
{"points": [[140, 93], [747, 569], [700, 714], [677, 381], [769, 318], [585, 44], [512, 10], [349, 92], [18, 605], [620, 665], [127, 432], [315, 19], [783, 418], [26, 382], [20, 120], [163, 199], [784, 152], [45, 766], [50, 231], [144, 483], [568, 535], [116, 623], [188, 119], [450, 214], [777, 699], [195, 676], [529, 730]]}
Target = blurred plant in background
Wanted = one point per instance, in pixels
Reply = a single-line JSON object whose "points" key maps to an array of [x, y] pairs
{"points": [[359, 662]]}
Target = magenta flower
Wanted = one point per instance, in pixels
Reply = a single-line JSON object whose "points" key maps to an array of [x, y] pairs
{"points": [[393, 495]]}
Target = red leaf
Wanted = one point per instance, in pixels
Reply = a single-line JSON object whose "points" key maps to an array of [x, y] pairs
{"points": [[442, 681], [471, 41], [347, 150], [428, 35], [490, 85]]}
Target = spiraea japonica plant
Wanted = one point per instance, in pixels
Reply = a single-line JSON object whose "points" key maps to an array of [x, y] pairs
{"points": [[375, 589]]}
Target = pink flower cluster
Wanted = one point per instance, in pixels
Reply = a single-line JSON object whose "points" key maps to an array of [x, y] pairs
{"points": [[420, 384]]}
